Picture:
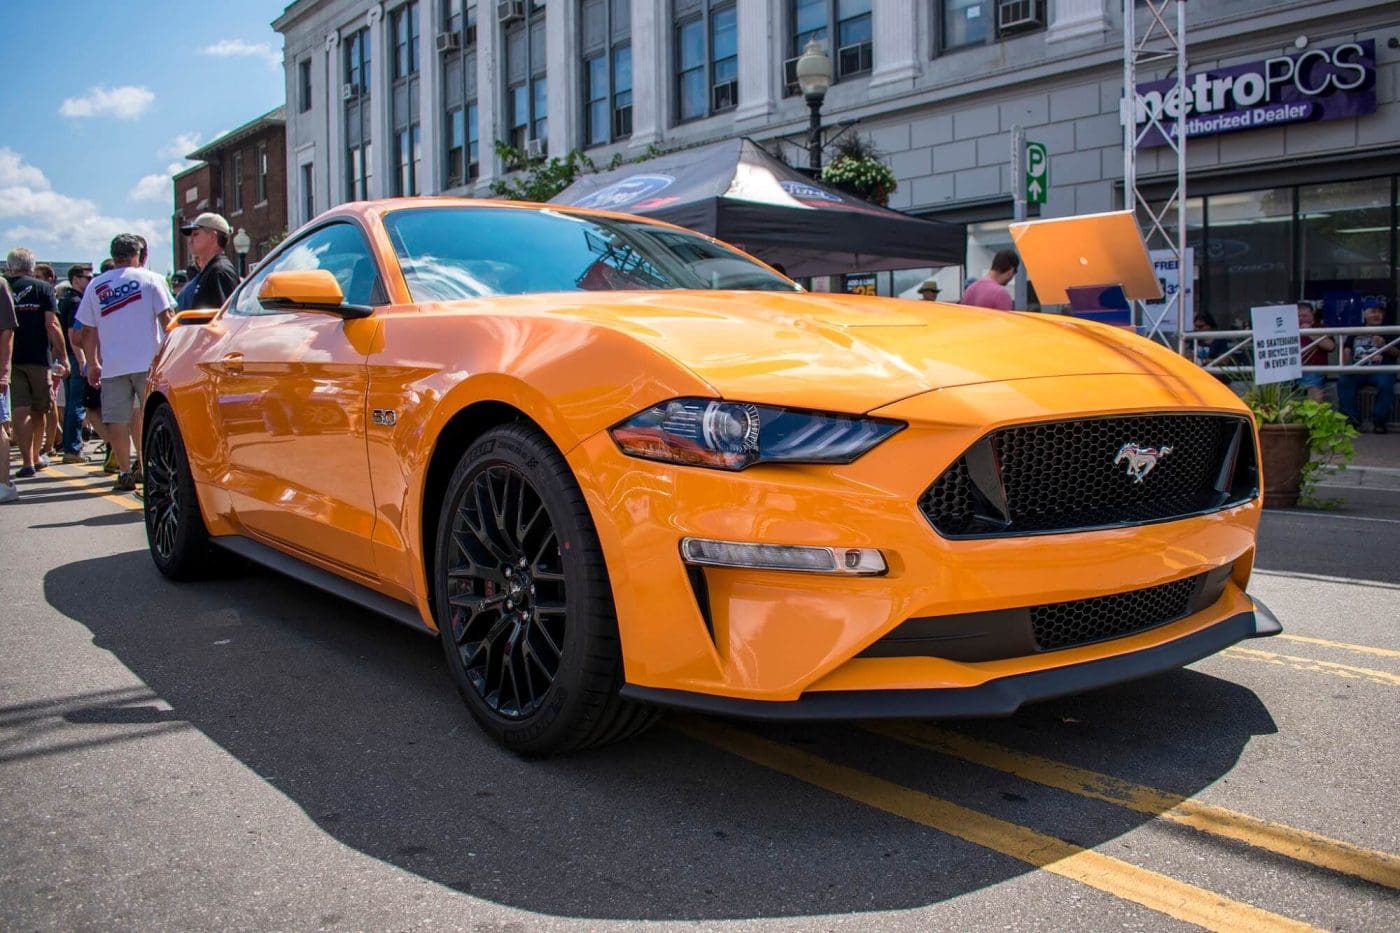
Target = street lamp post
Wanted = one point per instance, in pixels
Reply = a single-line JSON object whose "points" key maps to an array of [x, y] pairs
{"points": [[241, 244], [814, 77]]}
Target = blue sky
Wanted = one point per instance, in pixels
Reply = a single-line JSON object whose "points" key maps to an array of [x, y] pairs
{"points": [[100, 108]]}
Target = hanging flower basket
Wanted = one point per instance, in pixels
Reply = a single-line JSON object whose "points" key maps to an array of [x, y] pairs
{"points": [[864, 177]]}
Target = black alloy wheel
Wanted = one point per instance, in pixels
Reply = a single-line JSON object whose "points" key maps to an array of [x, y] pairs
{"points": [[175, 530], [506, 591], [523, 602], [161, 494]]}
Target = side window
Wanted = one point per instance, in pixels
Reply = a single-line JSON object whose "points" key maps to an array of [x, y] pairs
{"points": [[339, 249]]}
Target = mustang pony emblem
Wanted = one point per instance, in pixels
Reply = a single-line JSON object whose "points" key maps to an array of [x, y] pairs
{"points": [[1141, 460]]}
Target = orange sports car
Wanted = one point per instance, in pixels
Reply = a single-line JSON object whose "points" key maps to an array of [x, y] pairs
{"points": [[617, 466]]}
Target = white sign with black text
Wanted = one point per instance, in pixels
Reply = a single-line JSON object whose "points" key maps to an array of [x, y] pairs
{"points": [[1278, 354]]}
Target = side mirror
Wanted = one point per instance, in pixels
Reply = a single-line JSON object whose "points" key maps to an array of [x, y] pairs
{"points": [[182, 318], [314, 290]]}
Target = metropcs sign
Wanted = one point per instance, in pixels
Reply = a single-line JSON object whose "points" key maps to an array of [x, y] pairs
{"points": [[1318, 84]]}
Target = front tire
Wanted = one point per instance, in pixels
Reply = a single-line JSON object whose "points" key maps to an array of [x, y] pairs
{"points": [[523, 602], [175, 530]]}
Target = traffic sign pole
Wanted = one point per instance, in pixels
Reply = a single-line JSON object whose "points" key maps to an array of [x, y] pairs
{"points": [[1018, 209]]}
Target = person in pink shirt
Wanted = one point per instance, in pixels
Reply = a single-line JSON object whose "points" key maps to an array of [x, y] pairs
{"points": [[990, 290]]}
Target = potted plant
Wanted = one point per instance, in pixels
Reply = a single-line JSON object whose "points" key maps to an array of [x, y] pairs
{"points": [[1300, 441], [857, 169]]}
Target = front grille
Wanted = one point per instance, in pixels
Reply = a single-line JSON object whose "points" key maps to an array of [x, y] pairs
{"points": [[1074, 475], [1064, 625]]}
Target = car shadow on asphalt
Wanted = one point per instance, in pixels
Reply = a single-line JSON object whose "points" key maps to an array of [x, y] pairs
{"points": [[355, 720]]}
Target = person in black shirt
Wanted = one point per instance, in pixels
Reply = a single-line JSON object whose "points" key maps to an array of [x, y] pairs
{"points": [[38, 336], [209, 234], [74, 411]]}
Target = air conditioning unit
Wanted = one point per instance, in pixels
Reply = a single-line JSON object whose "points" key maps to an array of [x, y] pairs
{"points": [[534, 148], [724, 96], [1018, 15], [790, 86], [447, 41], [349, 91], [508, 11]]}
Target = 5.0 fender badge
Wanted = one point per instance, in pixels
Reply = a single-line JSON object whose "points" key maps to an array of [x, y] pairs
{"points": [[1141, 460], [385, 416]]}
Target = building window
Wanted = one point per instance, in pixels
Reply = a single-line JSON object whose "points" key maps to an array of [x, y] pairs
{"points": [[359, 150], [403, 24], [403, 116], [408, 160], [357, 61], [473, 143], [975, 22], [304, 85], [605, 46], [707, 59], [456, 147], [622, 92], [308, 192], [260, 179], [526, 85], [848, 20], [236, 187]]}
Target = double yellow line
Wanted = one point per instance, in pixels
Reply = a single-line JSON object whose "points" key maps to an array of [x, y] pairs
{"points": [[1154, 890]]}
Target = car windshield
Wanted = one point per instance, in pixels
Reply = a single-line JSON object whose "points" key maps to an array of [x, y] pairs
{"points": [[449, 253]]}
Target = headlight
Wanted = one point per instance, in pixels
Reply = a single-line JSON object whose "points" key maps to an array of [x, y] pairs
{"points": [[734, 435]]}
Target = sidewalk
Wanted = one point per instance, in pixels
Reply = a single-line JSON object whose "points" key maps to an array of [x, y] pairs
{"points": [[1376, 464]]}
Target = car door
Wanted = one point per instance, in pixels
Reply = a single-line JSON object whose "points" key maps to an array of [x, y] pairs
{"points": [[290, 390]]}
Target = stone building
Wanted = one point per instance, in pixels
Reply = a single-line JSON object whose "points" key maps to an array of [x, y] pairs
{"points": [[409, 97]]}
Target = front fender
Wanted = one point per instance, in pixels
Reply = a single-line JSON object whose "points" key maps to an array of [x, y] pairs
{"points": [[571, 378]]}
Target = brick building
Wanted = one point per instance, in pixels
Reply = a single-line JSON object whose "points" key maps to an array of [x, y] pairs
{"points": [[243, 176]]}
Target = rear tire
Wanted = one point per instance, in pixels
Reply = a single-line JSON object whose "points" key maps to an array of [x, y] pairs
{"points": [[523, 601], [175, 530]]}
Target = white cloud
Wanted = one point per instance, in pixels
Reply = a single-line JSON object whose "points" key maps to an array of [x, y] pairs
{"points": [[157, 187], [62, 227], [181, 145], [124, 103], [230, 48]]}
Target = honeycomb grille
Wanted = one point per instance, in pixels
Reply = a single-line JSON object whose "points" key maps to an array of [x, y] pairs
{"points": [[1062, 476], [1063, 625]]}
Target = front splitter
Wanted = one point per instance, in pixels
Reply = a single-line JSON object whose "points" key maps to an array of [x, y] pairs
{"points": [[1000, 697]]}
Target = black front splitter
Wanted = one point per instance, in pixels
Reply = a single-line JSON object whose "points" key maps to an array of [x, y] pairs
{"points": [[1000, 697]]}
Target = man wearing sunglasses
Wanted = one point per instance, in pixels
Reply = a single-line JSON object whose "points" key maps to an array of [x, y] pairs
{"points": [[209, 235]]}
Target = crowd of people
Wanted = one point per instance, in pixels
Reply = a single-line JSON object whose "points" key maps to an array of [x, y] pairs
{"points": [[1360, 350], [74, 355]]}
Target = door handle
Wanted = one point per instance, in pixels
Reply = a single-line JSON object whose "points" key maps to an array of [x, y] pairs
{"points": [[232, 364]]}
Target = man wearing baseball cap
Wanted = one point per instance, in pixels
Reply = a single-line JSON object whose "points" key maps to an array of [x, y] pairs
{"points": [[209, 234]]}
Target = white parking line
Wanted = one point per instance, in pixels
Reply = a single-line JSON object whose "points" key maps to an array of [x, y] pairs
{"points": [[1308, 513], [1322, 578]]}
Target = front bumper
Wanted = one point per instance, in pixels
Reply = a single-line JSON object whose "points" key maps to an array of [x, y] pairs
{"points": [[775, 637], [1000, 697]]}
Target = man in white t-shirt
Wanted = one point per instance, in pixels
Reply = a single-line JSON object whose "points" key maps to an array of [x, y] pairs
{"points": [[124, 313]]}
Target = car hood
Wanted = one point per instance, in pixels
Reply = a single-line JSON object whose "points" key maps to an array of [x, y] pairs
{"points": [[849, 352]]}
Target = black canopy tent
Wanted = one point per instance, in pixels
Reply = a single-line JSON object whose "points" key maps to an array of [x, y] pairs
{"points": [[735, 191]]}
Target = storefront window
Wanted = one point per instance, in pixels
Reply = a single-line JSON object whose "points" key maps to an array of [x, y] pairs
{"points": [[1345, 247], [1249, 253]]}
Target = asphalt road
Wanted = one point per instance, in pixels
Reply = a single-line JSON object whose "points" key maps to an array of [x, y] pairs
{"points": [[246, 753]]}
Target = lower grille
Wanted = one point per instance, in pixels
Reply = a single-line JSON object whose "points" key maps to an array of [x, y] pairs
{"points": [[1064, 625], [1022, 631]]}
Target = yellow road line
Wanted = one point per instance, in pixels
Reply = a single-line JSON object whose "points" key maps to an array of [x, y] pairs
{"points": [[1380, 867], [1321, 667], [102, 488], [1363, 649], [1121, 879]]}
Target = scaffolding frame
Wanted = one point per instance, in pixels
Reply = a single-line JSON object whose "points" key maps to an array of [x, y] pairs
{"points": [[1164, 40]]}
